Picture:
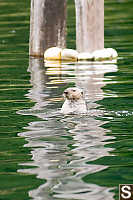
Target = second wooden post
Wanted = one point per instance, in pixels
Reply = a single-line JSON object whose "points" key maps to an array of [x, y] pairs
{"points": [[89, 25]]}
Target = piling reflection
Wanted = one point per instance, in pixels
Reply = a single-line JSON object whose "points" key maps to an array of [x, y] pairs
{"points": [[91, 79], [62, 145], [38, 81]]}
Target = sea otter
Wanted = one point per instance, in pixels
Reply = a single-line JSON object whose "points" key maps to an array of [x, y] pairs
{"points": [[74, 101]]}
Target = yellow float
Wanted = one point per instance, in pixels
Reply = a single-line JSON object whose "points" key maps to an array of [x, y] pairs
{"points": [[56, 53], [53, 53]]}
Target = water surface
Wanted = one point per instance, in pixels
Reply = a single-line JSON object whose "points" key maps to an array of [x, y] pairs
{"points": [[43, 154]]}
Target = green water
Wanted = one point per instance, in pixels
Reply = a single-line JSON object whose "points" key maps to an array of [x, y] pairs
{"points": [[47, 156]]}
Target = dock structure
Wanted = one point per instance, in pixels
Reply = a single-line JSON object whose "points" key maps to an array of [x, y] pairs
{"points": [[89, 25], [47, 25]]}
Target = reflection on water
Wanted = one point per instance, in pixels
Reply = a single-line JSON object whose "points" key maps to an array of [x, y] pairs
{"points": [[38, 80], [43, 154], [62, 145]]}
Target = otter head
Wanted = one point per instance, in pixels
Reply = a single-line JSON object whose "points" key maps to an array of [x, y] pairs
{"points": [[73, 94]]}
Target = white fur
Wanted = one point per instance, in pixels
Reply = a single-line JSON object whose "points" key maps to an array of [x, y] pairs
{"points": [[74, 106]]}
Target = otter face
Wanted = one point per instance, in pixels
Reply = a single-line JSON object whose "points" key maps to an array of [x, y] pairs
{"points": [[73, 94]]}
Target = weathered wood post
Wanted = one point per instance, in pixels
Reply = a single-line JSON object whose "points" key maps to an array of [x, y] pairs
{"points": [[89, 25], [47, 25]]}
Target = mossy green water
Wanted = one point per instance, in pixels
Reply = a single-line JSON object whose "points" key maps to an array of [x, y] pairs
{"points": [[44, 154]]}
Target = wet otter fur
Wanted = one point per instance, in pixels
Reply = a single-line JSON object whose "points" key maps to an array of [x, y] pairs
{"points": [[74, 101]]}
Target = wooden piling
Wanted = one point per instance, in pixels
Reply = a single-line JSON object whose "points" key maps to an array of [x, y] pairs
{"points": [[47, 25], [89, 25]]}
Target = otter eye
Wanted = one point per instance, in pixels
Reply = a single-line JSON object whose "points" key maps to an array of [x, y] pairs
{"points": [[74, 90]]}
